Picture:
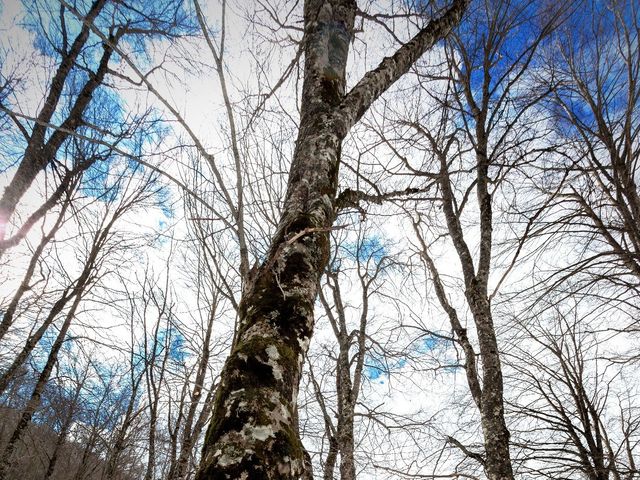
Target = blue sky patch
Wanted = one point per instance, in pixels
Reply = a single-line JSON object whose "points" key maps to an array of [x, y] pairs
{"points": [[370, 248]]}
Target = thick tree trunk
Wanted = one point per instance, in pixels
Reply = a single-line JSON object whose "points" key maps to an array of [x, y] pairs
{"points": [[253, 433]]}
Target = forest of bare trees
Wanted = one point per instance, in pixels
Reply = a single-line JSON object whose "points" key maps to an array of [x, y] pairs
{"points": [[330, 239]]}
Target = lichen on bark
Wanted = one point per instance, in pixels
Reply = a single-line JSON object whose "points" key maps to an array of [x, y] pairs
{"points": [[253, 431]]}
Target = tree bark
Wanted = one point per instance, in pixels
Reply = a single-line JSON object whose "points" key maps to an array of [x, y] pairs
{"points": [[253, 433], [490, 398]]}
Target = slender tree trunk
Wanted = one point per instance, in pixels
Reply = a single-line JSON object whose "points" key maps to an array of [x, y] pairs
{"points": [[192, 431], [86, 454], [181, 468], [34, 339], [34, 401], [53, 460], [346, 408], [77, 291], [487, 388], [120, 443], [25, 285], [332, 458], [62, 436], [496, 435]]}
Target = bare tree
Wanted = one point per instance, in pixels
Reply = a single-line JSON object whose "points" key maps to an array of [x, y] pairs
{"points": [[252, 431], [472, 144], [258, 252], [582, 417], [594, 74], [78, 81], [101, 243], [362, 260]]}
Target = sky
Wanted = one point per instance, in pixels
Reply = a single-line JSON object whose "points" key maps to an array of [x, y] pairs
{"points": [[421, 381]]}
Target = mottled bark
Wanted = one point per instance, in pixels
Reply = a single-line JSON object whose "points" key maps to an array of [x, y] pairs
{"points": [[494, 428], [253, 434], [483, 100], [346, 412], [487, 388]]}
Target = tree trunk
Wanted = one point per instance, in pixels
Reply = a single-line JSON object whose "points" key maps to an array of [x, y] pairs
{"points": [[346, 409], [25, 285], [191, 432], [496, 435], [253, 433], [64, 431], [34, 401]]}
